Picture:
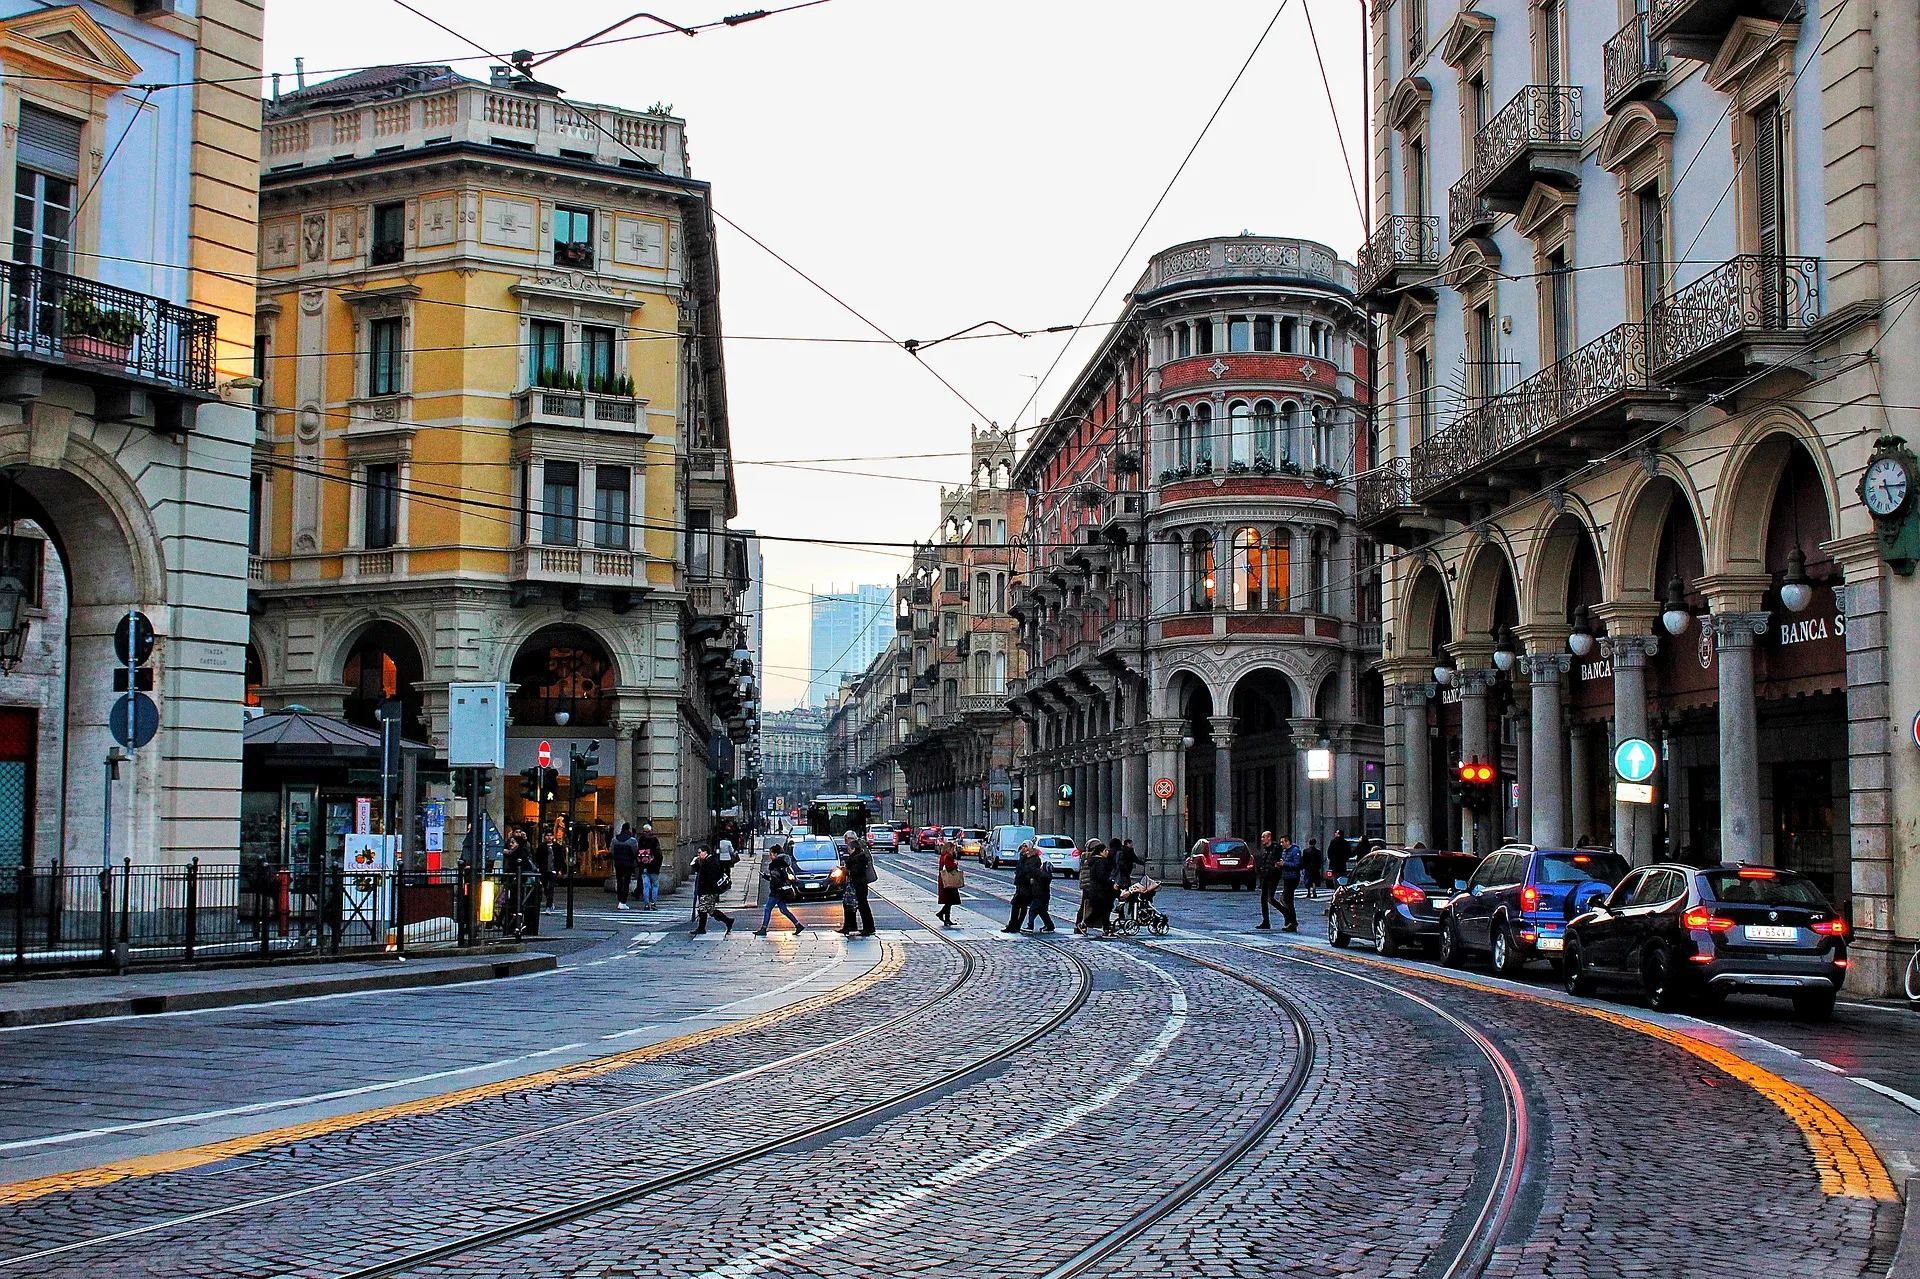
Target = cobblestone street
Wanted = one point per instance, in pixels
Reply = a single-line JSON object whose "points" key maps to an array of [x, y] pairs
{"points": [[1221, 1101]]}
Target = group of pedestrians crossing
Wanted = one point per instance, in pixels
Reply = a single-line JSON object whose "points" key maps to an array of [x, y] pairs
{"points": [[1284, 866], [780, 885]]}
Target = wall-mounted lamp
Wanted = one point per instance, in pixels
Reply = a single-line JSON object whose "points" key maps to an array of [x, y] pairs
{"points": [[1675, 615]]}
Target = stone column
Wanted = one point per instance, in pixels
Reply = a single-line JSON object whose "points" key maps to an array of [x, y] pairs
{"points": [[1633, 824], [1579, 785], [1523, 756], [1733, 636], [1306, 794], [1110, 791], [1547, 816], [1163, 759], [1222, 726], [1134, 796], [1416, 750], [1474, 683]]}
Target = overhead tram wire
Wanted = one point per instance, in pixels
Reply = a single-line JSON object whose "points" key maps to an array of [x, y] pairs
{"points": [[1165, 191], [1346, 158]]}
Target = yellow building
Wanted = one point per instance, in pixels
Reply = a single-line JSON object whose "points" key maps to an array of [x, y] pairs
{"points": [[489, 327]]}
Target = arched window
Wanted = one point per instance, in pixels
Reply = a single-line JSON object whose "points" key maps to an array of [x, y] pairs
{"points": [[999, 672], [1290, 432], [1289, 334], [1178, 557], [1322, 435], [999, 592], [1279, 557], [1184, 434], [1248, 569], [982, 593], [1239, 434], [1264, 443], [1183, 336], [1203, 436], [982, 672], [1202, 571]]}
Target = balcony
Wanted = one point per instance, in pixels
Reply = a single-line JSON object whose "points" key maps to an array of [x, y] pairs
{"points": [[579, 575], [1635, 63], [547, 407], [1748, 314], [1534, 138], [1553, 421], [1696, 28], [1404, 251], [124, 340], [1467, 213], [1385, 505]]}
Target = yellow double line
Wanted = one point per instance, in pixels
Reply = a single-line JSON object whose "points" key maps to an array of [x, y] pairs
{"points": [[892, 961]]}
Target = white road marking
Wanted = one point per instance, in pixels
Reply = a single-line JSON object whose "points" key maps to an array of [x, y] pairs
{"points": [[1874, 1085]]}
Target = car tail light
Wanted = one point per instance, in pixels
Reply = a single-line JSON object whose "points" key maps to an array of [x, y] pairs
{"points": [[1409, 894], [1701, 917], [1529, 898], [1829, 927], [1756, 872], [1843, 963]]}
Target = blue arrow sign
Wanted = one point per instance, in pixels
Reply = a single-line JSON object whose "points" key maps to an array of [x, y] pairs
{"points": [[1635, 759]]}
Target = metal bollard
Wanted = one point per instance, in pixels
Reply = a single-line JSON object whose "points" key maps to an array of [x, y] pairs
{"points": [[193, 904]]}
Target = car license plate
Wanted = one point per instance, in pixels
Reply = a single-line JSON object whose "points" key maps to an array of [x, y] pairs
{"points": [[1771, 932], [1552, 943], [1229, 861]]}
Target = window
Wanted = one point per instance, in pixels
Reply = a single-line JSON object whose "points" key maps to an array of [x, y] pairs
{"points": [[1249, 569], [256, 498], [383, 366], [1184, 434], [951, 584], [1770, 211], [1289, 335], [25, 559], [1239, 334], [383, 506], [389, 233], [1279, 557], [699, 543], [1264, 441], [949, 629], [560, 503], [546, 356], [596, 359], [1290, 431], [999, 592], [1416, 29], [1185, 335], [48, 151], [1239, 434], [1552, 71], [1560, 304], [1417, 177], [1421, 375], [1203, 437], [1203, 337], [612, 486], [982, 672], [262, 366], [1263, 333], [1202, 572], [1653, 251], [982, 593], [1486, 384], [572, 237], [999, 672]]}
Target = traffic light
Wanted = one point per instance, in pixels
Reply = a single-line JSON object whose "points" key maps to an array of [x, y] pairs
{"points": [[530, 783], [1474, 786], [585, 761], [463, 779], [550, 785]]}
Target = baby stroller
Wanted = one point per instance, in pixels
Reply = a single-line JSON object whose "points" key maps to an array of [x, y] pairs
{"points": [[1134, 910]]}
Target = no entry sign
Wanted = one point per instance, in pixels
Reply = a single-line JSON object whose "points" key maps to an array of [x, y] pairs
{"points": [[546, 755]]}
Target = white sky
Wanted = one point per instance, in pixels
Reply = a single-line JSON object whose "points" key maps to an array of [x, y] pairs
{"points": [[935, 165]]}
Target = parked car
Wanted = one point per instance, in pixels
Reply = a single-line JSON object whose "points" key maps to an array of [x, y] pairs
{"points": [[1060, 853], [1397, 898], [1220, 860], [1681, 933], [1003, 845], [928, 840], [881, 839], [817, 867], [1517, 904]]}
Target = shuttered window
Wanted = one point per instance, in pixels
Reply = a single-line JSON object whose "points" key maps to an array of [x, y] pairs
{"points": [[49, 143], [1769, 208]]}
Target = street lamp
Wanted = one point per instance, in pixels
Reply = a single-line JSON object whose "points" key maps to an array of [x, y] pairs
{"points": [[13, 627], [1675, 615], [1580, 639], [1503, 649], [1796, 591], [1443, 672]]}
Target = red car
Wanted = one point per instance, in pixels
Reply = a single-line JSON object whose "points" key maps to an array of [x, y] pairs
{"points": [[929, 839], [1220, 860]]}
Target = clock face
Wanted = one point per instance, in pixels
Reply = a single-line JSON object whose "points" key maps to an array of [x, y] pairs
{"points": [[1885, 486]]}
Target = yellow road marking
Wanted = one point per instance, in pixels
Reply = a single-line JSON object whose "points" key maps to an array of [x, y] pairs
{"points": [[892, 961], [1842, 1154]]}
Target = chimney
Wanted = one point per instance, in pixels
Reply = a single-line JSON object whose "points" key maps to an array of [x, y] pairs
{"points": [[300, 73], [276, 86]]}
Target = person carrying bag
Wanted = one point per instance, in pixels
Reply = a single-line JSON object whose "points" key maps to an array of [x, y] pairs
{"points": [[952, 880]]}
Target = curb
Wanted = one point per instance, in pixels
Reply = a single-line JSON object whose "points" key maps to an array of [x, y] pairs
{"points": [[400, 978], [1906, 1257]]}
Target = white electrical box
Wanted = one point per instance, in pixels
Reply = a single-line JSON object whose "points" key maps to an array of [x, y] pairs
{"points": [[477, 725]]}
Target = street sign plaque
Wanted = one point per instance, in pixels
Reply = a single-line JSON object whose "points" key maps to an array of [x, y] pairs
{"points": [[133, 640], [134, 720], [1163, 789], [1634, 759], [1633, 793]]}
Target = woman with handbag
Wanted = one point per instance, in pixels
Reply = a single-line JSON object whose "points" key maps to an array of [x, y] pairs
{"points": [[952, 879], [779, 877]]}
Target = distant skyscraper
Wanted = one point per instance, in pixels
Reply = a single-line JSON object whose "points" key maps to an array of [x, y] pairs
{"points": [[849, 630]]}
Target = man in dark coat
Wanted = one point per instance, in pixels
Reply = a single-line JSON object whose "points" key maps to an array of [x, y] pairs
{"points": [[1338, 849], [708, 871], [1266, 872], [858, 861]]}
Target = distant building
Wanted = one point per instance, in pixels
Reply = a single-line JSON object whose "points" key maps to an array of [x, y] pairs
{"points": [[793, 757], [849, 630]]}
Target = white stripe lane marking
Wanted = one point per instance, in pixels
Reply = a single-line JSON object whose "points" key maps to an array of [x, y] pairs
{"points": [[763, 1258], [260, 1107], [1874, 1085]]}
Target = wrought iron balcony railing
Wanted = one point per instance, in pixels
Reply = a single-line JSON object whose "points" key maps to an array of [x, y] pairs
{"points": [[97, 326], [1751, 296], [1383, 490], [1399, 242], [1634, 61], [1540, 116], [1611, 366], [1467, 212]]}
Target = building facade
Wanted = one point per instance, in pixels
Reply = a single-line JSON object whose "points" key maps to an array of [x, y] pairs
{"points": [[123, 437], [793, 758], [959, 652], [1199, 610], [848, 630], [498, 449], [862, 727], [1633, 372]]}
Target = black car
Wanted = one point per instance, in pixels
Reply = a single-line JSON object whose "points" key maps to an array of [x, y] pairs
{"points": [[1396, 898], [817, 864], [1682, 934]]}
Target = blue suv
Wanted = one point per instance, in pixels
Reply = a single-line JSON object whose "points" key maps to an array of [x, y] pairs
{"points": [[1520, 900]]}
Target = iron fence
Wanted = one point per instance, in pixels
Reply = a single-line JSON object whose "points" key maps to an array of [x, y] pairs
{"points": [[1467, 212], [1761, 293], [1632, 59], [1539, 115], [120, 916], [67, 317], [1403, 240], [1386, 488]]}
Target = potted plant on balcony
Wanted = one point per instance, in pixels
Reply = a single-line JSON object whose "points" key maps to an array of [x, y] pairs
{"points": [[1326, 475], [1238, 467], [1263, 464], [1290, 467], [94, 332], [1126, 462]]}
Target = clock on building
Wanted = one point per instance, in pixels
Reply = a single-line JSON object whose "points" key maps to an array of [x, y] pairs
{"points": [[1887, 485], [1886, 489]]}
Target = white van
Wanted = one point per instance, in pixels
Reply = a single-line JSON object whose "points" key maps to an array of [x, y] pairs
{"points": [[1004, 846]]}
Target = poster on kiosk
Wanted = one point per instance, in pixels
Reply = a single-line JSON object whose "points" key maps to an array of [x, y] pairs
{"points": [[366, 884]]}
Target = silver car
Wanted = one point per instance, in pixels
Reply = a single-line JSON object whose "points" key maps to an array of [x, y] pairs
{"points": [[1059, 853]]}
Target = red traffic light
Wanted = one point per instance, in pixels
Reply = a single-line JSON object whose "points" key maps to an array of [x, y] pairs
{"points": [[1483, 773], [1473, 773]]}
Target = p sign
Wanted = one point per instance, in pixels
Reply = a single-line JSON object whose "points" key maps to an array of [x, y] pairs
{"points": [[1635, 759]]}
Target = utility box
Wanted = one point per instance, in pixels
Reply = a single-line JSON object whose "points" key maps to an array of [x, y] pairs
{"points": [[477, 725]]}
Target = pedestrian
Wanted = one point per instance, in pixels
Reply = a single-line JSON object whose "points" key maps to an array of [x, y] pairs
{"points": [[952, 880], [1266, 875], [1337, 850], [1311, 863], [650, 860], [1290, 864], [779, 877], [1086, 889], [1040, 885], [1098, 887], [1126, 863], [552, 860], [858, 862], [708, 870], [1022, 889], [626, 860]]}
